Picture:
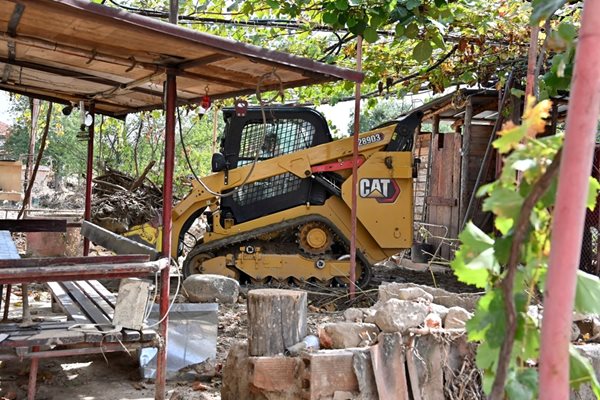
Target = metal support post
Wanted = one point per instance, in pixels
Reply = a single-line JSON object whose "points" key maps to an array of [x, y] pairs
{"points": [[31, 387], [88, 179], [171, 89], [355, 171]]}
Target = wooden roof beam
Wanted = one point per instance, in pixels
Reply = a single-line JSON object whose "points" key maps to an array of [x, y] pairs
{"points": [[132, 86], [13, 23], [89, 55]]}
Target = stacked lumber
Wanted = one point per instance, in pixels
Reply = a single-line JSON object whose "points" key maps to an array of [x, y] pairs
{"points": [[399, 349]]}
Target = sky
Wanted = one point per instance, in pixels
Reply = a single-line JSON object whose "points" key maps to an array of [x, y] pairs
{"points": [[5, 107], [339, 114]]}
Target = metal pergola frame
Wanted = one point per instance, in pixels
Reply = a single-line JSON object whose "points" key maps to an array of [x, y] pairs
{"points": [[36, 58]]}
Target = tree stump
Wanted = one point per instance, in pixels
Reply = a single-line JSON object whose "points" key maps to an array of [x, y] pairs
{"points": [[276, 320]]}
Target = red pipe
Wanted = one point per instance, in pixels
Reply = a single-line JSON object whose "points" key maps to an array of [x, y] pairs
{"points": [[161, 368], [355, 170], [569, 211], [88, 180], [31, 387]]}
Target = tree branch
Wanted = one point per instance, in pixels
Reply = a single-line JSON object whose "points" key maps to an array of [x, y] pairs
{"points": [[507, 284]]}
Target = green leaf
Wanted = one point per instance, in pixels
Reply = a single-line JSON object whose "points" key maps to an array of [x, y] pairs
{"points": [[504, 203], [475, 238], [412, 4], [274, 4], [522, 384], [592, 193], [503, 224], [510, 138], [587, 293], [581, 371], [411, 31], [502, 248], [399, 30], [422, 51], [567, 31], [517, 92], [370, 34], [329, 18], [341, 5], [474, 270], [542, 9]]}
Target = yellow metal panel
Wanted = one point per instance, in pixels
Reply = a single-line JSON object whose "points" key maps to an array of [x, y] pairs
{"points": [[385, 198]]}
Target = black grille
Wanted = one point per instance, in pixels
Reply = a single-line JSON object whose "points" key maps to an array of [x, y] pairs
{"points": [[282, 137], [267, 188]]}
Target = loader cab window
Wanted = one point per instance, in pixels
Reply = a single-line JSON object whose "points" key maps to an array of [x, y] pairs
{"points": [[281, 136]]}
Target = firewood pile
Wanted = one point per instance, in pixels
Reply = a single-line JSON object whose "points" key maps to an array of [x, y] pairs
{"points": [[120, 201]]}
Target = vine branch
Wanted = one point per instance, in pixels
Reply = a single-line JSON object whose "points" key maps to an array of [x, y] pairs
{"points": [[507, 284]]}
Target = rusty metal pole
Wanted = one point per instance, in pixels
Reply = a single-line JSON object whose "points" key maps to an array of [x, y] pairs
{"points": [[33, 369], [355, 170], [569, 211], [88, 178], [161, 370]]}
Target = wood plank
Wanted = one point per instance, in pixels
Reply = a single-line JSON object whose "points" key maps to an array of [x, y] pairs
{"points": [[464, 192], [49, 337], [75, 272], [95, 297], [49, 261], [89, 308], [67, 303], [109, 297], [33, 225], [442, 201]]}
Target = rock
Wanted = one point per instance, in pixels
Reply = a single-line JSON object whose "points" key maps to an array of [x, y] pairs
{"points": [[433, 321], [341, 335], [468, 301], [399, 315], [440, 310], [456, 318], [369, 317], [354, 315], [207, 288], [395, 290], [575, 332], [595, 329], [341, 395]]}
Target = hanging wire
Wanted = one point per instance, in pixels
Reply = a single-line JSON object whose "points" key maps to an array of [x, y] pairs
{"points": [[262, 103]]}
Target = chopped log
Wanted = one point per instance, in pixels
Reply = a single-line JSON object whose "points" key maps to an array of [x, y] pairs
{"points": [[138, 182], [276, 320]]}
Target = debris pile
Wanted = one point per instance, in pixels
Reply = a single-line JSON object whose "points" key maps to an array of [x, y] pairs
{"points": [[411, 341], [121, 201]]}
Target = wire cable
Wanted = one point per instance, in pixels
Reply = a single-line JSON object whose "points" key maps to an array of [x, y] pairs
{"points": [[262, 103]]}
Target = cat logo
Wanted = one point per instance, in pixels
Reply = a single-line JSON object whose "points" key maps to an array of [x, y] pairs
{"points": [[383, 190]]}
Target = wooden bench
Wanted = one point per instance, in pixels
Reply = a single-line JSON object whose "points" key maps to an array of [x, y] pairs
{"points": [[90, 303], [72, 283]]}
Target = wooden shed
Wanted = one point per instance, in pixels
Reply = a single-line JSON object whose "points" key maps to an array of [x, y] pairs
{"points": [[451, 145], [454, 146]]}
